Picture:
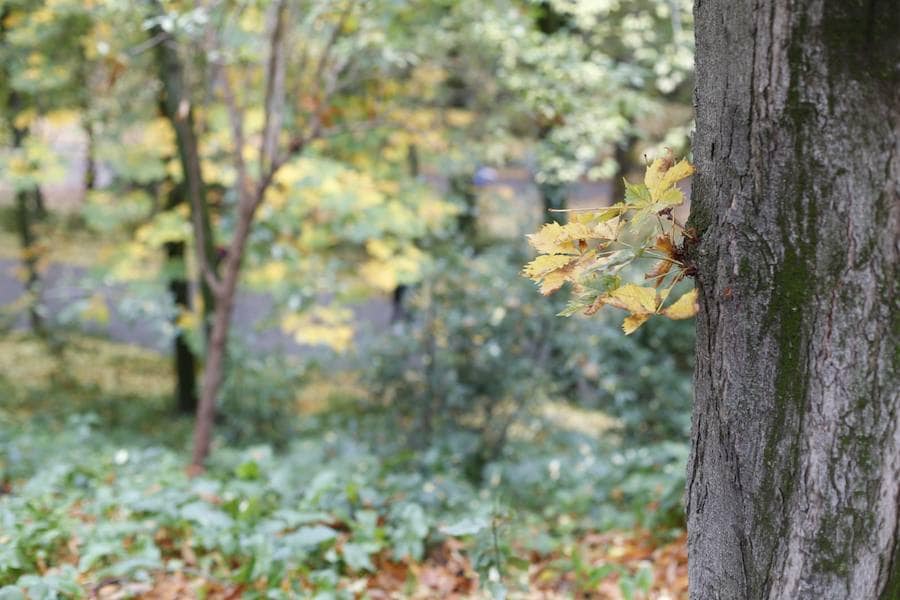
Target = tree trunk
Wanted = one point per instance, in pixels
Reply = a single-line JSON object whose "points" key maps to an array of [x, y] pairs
{"points": [[553, 198], [398, 308], [25, 216], [793, 487], [250, 196], [461, 187], [184, 362], [178, 110], [90, 166], [213, 371], [29, 249], [624, 161]]}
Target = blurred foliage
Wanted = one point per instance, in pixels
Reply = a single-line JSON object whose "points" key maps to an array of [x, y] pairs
{"points": [[259, 398], [480, 348], [476, 352], [476, 435]]}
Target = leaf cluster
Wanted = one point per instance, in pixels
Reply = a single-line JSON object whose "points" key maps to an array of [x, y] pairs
{"points": [[595, 247]]}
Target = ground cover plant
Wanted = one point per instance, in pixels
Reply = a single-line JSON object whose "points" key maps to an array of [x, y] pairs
{"points": [[94, 504]]}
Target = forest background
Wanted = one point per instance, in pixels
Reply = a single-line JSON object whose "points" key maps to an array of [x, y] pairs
{"points": [[265, 330]]}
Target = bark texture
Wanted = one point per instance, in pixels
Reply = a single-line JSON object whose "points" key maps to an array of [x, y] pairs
{"points": [[793, 486]]}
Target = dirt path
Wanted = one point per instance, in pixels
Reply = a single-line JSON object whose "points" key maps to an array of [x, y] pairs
{"points": [[139, 319]]}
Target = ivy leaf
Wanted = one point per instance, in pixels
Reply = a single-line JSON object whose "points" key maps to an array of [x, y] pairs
{"points": [[683, 308]]}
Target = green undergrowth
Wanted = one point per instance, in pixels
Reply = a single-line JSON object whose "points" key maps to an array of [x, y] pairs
{"points": [[94, 489]]}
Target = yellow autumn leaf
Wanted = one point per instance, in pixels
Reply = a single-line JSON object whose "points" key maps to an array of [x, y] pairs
{"points": [[659, 272], [632, 322], [662, 175], [188, 320], [683, 308], [553, 281], [681, 170], [327, 326], [544, 264], [634, 298], [96, 310], [546, 240], [380, 274], [671, 197], [572, 232], [379, 249], [459, 118], [61, 117], [25, 118], [19, 166]]}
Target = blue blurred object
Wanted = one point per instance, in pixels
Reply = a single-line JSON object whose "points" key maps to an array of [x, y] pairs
{"points": [[484, 176]]}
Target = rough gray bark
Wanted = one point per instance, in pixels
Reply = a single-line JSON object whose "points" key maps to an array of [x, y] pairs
{"points": [[793, 487]]}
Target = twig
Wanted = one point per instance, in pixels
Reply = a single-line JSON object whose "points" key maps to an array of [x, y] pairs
{"points": [[236, 120], [157, 39], [268, 151]]}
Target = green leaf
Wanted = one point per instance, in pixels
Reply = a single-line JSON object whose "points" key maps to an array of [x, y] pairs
{"points": [[11, 592], [310, 537], [467, 526], [357, 556]]}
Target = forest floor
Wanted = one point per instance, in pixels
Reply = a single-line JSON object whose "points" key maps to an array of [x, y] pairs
{"points": [[94, 500]]}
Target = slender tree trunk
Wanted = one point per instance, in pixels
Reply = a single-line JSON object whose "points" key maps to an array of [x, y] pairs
{"points": [[213, 371], [398, 309], [553, 198], [90, 167], [26, 212], [793, 487], [24, 198], [250, 196], [467, 221], [40, 204], [178, 109], [624, 162], [27, 243], [183, 357]]}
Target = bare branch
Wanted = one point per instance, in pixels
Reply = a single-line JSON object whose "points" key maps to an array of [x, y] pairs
{"points": [[332, 40], [138, 49], [236, 119], [274, 102], [358, 127]]}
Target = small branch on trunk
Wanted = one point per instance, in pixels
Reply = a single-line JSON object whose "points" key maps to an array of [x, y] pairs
{"points": [[236, 121], [274, 102]]}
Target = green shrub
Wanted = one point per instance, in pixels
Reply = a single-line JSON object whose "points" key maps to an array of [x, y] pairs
{"points": [[482, 347], [475, 354], [259, 398]]}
